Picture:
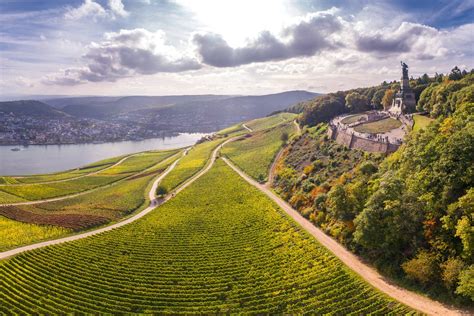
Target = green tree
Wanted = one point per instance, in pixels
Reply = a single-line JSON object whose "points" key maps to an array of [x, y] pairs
{"points": [[423, 268], [466, 283], [376, 101], [338, 203], [161, 191], [451, 269], [356, 102], [284, 137]]}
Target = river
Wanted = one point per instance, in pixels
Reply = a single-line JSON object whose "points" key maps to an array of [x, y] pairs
{"points": [[38, 159]]}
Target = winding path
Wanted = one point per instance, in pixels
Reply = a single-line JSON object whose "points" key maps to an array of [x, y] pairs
{"points": [[247, 128], [153, 204], [69, 196], [271, 173], [368, 273]]}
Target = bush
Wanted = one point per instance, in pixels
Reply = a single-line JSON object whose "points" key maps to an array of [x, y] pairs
{"points": [[161, 190], [466, 283], [422, 268], [451, 269]]}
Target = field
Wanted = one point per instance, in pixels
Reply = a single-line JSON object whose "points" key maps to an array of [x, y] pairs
{"points": [[378, 127], [190, 164], [255, 154], [220, 246], [95, 208], [421, 122], [270, 121], [38, 191], [14, 234]]}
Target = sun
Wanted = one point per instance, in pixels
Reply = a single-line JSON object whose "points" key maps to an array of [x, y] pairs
{"points": [[240, 20]]}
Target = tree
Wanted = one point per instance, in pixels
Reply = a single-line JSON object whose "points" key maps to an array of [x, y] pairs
{"points": [[422, 268], [455, 74], [356, 102], [451, 269], [284, 137], [376, 101], [161, 191], [322, 109], [388, 98], [338, 203], [466, 283]]}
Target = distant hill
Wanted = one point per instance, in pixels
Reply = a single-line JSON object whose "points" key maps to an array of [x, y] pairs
{"points": [[101, 107], [214, 114], [31, 108], [180, 113]]}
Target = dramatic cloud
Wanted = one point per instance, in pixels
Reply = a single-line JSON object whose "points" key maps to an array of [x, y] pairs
{"points": [[91, 9], [124, 54], [306, 38], [423, 40]]}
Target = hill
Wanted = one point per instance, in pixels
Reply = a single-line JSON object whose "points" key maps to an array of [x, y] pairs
{"points": [[31, 108], [411, 213], [214, 114]]}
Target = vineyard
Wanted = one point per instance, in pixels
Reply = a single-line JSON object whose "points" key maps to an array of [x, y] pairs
{"points": [[270, 121], [255, 152], [219, 246], [190, 164], [38, 191], [99, 207], [14, 233]]}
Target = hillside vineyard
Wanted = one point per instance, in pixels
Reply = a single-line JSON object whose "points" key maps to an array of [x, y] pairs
{"points": [[218, 247]]}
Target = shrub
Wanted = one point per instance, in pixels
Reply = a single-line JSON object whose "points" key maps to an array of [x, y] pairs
{"points": [[466, 283], [451, 269], [422, 268], [161, 190]]}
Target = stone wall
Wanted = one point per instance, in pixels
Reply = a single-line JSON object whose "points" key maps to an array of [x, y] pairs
{"points": [[355, 142]]}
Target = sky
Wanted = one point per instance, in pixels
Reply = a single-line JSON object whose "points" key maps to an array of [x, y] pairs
{"points": [[164, 47]]}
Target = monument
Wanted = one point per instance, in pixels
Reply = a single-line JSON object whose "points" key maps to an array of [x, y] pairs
{"points": [[404, 100]]}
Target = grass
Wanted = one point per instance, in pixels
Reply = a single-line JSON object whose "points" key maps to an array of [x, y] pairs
{"points": [[218, 247], [421, 122], [190, 164], [14, 234], [256, 153], [270, 121], [352, 118], [378, 127], [39, 191]]}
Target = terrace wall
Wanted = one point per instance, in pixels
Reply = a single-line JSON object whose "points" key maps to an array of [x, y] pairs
{"points": [[354, 142]]}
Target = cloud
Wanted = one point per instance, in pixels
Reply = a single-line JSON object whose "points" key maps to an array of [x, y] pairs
{"points": [[306, 38], [91, 9], [88, 9], [117, 7], [423, 42], [123, 54]]}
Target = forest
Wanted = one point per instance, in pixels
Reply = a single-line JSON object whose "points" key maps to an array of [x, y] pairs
{"points": [[411, 213]]}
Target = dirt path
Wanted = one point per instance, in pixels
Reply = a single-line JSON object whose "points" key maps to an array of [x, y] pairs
{"points": [[369, 274], [298, 128], [69, 196], [74, 178], [153, 204], [247, 128], [271, 173]]}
